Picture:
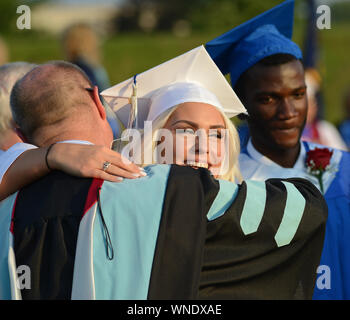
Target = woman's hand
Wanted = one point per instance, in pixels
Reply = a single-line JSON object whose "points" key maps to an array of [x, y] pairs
{"points": [[88, 160]]}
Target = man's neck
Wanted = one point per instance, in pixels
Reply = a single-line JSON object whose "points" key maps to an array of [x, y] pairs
{"points": [[286, 158], [46, 140]]}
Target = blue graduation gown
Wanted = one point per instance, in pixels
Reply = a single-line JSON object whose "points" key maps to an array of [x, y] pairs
{"points": [[333, 279]]}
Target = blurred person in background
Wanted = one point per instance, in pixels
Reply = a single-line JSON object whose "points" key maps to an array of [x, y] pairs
{"points": [[81, 46], [318, 130], [9, 74], [344, 126]]}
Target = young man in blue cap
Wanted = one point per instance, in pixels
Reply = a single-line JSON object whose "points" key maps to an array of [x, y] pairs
{"points": [[268, 76]]}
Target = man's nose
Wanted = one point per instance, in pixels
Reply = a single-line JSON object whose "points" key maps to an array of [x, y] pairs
{"points": [[286, 109]]}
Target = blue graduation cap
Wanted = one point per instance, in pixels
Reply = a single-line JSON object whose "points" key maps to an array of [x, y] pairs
{"points": [[267, 34]]}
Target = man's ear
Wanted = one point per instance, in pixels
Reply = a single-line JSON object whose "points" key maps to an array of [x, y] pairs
{"points": [[99, 105]]}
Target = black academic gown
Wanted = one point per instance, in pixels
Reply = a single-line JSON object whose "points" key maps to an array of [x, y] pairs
{"points": [[175, 234]]}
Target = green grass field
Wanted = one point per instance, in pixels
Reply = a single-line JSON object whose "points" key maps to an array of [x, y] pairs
{"points": [[128, 54]]}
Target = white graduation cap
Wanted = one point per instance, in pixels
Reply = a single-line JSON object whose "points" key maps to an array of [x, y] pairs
{"points": [[190, 77]]}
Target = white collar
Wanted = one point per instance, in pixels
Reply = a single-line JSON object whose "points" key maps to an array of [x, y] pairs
{"points": [[257, 156], [273, 170]]}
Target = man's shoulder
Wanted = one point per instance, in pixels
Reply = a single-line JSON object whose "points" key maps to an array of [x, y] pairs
{"points": [[155, 180], [339, 171], [154, 172], [313, 145], [339, 157]]}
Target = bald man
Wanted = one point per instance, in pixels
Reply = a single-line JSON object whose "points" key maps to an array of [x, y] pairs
{"points": [[53, 104], [50, 109]]}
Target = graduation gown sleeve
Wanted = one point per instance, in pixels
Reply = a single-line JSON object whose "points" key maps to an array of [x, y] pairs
{"points": [[10, 155], [267, 245]]}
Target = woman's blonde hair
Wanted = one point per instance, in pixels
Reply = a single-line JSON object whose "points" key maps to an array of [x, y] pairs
{"points": [[233, 173]]}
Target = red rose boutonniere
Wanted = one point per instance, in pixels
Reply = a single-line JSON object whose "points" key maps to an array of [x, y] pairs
{"points": [[318, 162]]}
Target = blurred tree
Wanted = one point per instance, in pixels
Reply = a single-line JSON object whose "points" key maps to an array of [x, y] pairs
{"points": [[172, 11], [221, 15], [7, 15], [203, 15], [341, 11], [164, 14]]}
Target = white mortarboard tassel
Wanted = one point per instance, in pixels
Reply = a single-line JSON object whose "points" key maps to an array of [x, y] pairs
{"points": [[133, 123], [193, 76]]}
